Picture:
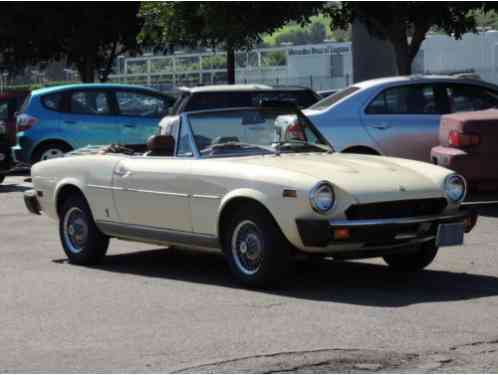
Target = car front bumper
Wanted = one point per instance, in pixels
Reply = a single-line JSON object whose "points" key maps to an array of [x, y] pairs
{"points": [[31, 202], [379, 233], [6, 162]]}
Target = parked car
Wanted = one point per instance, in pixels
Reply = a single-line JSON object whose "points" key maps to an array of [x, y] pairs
{"points": [[235, 96], [58, 119], [256, 192], [469, 145], [242, 95], [9, 104], [397, 116]]}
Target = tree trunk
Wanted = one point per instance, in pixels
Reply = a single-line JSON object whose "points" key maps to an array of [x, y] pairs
{"points": [[403, 61], [399, 40], [230, 65], [86, 69]]}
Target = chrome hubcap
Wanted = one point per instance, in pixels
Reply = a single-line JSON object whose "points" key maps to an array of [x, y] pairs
{"points": [[247, 247], [52, 153], [75, 230]]}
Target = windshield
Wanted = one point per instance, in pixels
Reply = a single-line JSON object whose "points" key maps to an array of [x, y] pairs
{"points": [[237, 99], [254, 130], [332, 99]]}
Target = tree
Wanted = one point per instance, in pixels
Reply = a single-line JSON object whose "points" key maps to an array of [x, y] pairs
{"points": [[89, 35], [96, 33], [405, 24], [228, 25], [28, 34]]}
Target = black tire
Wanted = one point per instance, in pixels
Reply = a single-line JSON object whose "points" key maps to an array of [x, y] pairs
{"points": [[90, 247], [275, 260], [41, 150], [2, 178], [415, 261]]}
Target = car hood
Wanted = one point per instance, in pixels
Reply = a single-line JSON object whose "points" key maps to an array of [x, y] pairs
{"points": [[367, 178]]}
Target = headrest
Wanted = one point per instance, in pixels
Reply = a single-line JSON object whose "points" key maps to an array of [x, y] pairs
{"points": [[161, 145]]}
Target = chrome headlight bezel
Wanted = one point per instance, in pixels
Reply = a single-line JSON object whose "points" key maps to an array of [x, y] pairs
{"points": [[314, 197], [448, 181]]}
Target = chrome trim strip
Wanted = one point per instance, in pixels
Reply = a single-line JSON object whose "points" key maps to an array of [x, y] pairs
{"points": [[103, 187], [396, 221], [201, 196], [154, 234], [166, 193]]}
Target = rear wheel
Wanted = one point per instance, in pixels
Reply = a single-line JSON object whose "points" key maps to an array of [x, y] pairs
{"points": [[82, 241], [415, 261], [256, 251], [50, 151]]}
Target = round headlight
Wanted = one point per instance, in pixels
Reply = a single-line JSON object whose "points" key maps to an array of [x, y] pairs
{"points": [[322, 197], [3, 129], [455, 187]]}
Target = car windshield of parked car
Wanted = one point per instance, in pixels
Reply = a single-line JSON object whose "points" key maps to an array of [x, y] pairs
{"points": [[236, 99], [254, 131], [332, 99]]}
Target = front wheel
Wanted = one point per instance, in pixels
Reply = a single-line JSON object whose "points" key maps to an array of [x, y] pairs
{"points": [[82, 241], [49, 151], [256, 251], [415, 261]]}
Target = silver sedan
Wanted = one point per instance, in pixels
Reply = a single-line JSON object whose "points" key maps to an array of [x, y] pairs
{"points": [[397, 116]]}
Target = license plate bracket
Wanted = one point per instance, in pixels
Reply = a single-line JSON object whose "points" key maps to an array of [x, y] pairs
{"points": [[450, 234]]}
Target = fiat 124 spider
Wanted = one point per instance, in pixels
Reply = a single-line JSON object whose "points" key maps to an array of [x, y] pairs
{"points": [[243, 182]]}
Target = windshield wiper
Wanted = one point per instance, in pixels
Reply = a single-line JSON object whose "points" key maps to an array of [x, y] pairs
{"points": [[238, 145], [289, 144]]}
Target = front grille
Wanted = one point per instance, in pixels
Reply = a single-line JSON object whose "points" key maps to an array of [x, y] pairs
{"points": [[396, 209]]}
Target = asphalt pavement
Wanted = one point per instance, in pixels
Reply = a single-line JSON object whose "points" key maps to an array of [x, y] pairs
{"points": [[149, 308]]}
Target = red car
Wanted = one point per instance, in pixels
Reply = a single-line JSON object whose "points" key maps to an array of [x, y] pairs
{"points": [[469, 146]]}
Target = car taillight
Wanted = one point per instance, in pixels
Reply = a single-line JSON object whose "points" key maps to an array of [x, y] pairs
{"points": [[25, 122], [457, 139]]}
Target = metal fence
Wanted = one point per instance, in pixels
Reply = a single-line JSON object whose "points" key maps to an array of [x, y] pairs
{"points": [[190, 80]]}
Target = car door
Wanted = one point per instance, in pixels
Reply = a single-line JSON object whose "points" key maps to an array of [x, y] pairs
{"points": [[404, 120], [140, 113], [154, 192], [89, 119]]}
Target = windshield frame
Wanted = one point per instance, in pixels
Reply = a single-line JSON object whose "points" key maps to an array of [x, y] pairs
{"points": [[185, 121]]}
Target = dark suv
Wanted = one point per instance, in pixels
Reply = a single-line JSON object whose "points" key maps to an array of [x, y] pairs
{"points": [[232, 96], [9, 105]]}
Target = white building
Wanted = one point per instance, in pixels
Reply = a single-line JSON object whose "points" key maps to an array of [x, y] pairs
{"points": [[320, 66], [474, 53]]}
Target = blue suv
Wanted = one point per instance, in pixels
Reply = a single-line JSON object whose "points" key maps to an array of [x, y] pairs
{"points": [[55, 120]]}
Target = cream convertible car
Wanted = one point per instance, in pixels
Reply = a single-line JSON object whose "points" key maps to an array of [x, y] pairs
{"points": [[238, 181]]}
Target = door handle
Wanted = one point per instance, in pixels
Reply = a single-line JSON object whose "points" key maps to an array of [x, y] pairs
{"points": [[122, 172], [69, 122], [381, 126], [130, 126]]}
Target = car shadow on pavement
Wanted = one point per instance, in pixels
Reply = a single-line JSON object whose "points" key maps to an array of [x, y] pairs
{"points": [[12, 188], [357, 282]]}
